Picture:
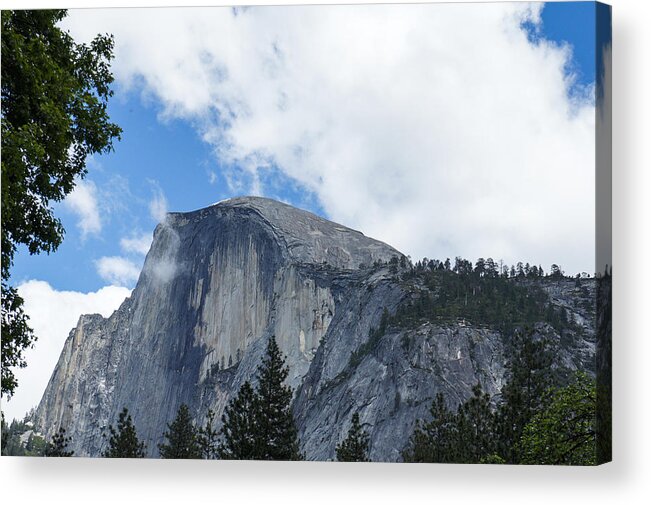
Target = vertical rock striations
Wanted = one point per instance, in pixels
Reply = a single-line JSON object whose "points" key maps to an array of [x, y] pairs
{"points": [[215, 282], [219, 281]]}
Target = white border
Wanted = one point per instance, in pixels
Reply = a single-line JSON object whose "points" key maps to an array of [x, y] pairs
{"points": [[627, 480]]}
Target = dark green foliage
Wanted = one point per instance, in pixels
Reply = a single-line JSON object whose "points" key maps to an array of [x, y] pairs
{"points": [[564, 433], [58, 446], [604, 367], [54, 114], [374, 337], [492, 459], [239, 431], [536, 421], [182, 441], [434, 442], [259, 424], [123, 442], [214, 370], [10, 439], [475, 428], [356, 444], [465, 437], [278, 439], [16, 335], [208, 437], [483, 295], [35, 445], [529, 376]]}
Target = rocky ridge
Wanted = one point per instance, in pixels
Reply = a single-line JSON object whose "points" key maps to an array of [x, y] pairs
{"points": [[218, 282]]}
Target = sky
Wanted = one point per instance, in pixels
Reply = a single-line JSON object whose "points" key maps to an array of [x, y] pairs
{"points": [[444, 130]]}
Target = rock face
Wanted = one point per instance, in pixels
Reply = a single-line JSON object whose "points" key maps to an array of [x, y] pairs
{"points": [[218, 282]]}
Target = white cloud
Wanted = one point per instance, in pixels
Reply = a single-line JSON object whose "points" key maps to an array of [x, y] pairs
{"points": [[158, 204], [52, 315], [137, 243], [117, 270], [440, 129], [83, 202]]}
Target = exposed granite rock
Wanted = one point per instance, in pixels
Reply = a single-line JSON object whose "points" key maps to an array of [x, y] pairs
{"points": [[215, 282], [392, 384], [219, 281]]}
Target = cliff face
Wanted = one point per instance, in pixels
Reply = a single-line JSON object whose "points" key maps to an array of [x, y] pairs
{"points": [[219, 281]]}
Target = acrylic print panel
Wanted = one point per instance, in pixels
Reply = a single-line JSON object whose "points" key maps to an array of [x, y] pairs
{"points": [[345, 233]]}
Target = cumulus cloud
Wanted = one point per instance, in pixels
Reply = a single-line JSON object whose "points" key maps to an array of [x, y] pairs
{"points": [[137, 243], [83, 203], [441, 129], [117, 270], [52, 315]]}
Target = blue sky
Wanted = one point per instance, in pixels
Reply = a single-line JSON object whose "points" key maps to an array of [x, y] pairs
{"points": [[388, 119], [573, 23]]}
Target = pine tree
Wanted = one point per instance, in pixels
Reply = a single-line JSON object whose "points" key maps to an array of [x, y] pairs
{"points": [[181, 438], [239, 430], [258, 424], [465, 437], [58, 447], [475, 429], [275, 422], [208, 437], [530, 377], [433, 442], [123, 442], [355, 446]]}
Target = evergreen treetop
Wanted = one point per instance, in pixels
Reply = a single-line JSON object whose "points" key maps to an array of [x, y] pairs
{"points": [[208, 437], [529, 377], [123, 442], [182, 441], [58, 446], [258, 423], [239, 433], [274, 417], [356, 444]]}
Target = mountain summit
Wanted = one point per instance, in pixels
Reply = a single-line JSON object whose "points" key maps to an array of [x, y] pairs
{"points": [[218, 282]]}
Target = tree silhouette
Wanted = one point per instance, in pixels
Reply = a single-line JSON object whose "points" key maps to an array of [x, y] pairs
{"points": [[356, 444], [259, 424], [182, 442], [58, 447], [123, 442]]}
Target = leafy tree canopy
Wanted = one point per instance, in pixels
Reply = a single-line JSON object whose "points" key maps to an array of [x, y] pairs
{"points": [[54, 115], [564, 433]]}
